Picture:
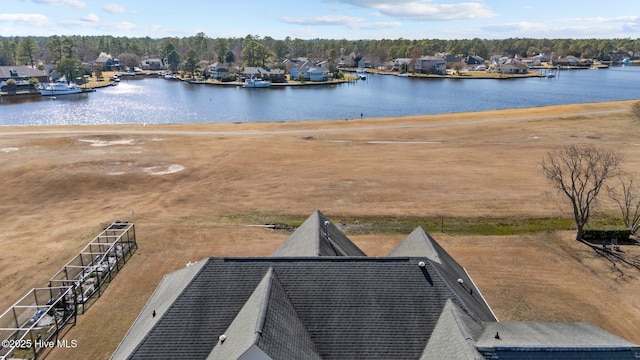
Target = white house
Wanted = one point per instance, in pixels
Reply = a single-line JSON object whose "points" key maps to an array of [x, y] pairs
{"points": [[508, 66]]}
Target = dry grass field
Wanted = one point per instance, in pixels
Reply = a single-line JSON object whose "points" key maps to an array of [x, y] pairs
{"points": [[192, 189]]}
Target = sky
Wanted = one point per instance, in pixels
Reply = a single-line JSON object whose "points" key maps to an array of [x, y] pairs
{"points": [[324, 19]]}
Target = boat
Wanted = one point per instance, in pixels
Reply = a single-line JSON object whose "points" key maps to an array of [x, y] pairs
{"points": [[403, 75], [60, 87], [361, 74], [252, 82]]}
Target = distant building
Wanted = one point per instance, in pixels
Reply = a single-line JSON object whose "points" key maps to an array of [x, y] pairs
{"points": [[508, 66], [107, 62], [154, 64], [431, 65], [274, 75], [318, 296], [21, 73], [217, 70]]}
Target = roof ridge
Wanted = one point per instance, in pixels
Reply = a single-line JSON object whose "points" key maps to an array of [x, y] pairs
{"points": [[455, 295], [264, 303]]}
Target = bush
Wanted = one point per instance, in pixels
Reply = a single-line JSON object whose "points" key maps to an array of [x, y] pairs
{"points": [[228, 78], [606, 236]]}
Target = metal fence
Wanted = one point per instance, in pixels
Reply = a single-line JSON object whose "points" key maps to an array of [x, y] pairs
{"points": [[35, 323]]}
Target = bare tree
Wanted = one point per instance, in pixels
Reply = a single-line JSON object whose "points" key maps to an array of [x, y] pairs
{"points": [[579, 172], [628, 200]]}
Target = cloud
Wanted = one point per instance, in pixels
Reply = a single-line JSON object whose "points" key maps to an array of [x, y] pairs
{"points": [[87, 21], [374, 3], [541, 30], [378, 25], [124, 26], [90, 18], [601, 19], [75, 3], [115, 9], [421, 10], [37, 20], [348, 21], [323, 20]]}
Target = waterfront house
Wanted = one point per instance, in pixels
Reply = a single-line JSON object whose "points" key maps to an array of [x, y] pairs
{"points": [[217, 70], [508, 66], [399, 62], [431, 65], [273, 75], [21, 73], [473, 60], [107, 62], [311, 74], [154, 64], [530, 61], [318, 296], [572, 61]]}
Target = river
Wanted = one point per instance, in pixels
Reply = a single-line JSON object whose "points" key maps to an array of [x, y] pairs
{"points": [[157, 101]]}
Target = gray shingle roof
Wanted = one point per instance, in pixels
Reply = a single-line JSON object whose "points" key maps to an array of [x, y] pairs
{"points": [[514, 339], [453, 336], [19, 71], [335, 303], [267, 321], [419, 243], [351, 307], [318, 236]]}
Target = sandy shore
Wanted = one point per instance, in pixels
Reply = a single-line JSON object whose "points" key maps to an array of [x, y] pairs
{"points": [[192, 189]]}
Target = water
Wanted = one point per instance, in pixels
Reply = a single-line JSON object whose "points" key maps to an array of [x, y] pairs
{"points": [[159, 101]]}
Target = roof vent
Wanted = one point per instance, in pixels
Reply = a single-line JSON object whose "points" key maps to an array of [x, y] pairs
{"points": [[222, 338], [422, 264], [460, 281]]}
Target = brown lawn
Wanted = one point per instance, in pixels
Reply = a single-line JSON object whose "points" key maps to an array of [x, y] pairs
{"points": [[186, 186]]}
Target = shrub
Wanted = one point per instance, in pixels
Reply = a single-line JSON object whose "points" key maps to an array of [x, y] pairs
{"points": [[606, 236]]}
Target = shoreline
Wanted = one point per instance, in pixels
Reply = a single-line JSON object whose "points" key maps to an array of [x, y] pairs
{"points": [[302, 125]]}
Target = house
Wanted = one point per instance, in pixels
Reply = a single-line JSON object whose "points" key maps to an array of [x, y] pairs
{"points": [[508, 66], [431, 65], [273, 75], [21, 73], [474, 63], [107, 62], [217, 70], [449, 59], [530, 61], [154, 64], [573, 61], [401, 63], [318, 296], [543, 57], [311, 74]]}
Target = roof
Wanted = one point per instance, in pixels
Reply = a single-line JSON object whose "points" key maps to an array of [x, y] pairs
{"points": [[7, 72], [319, 297], [318, 236], [351, 307], [544, 340]]}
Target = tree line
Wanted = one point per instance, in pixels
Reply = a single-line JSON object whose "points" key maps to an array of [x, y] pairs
{"points": [[254, 50]]}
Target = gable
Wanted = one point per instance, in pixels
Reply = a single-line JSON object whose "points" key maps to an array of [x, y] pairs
{"points": [[317, 236]]}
